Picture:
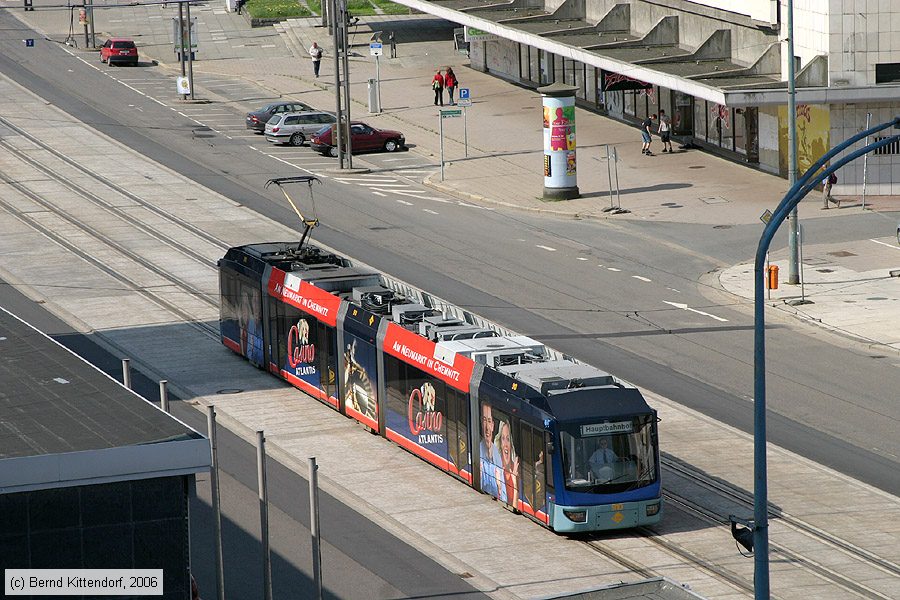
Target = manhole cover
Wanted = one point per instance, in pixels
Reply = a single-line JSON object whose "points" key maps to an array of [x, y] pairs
{"points": [[841, 253], [230, 391]]}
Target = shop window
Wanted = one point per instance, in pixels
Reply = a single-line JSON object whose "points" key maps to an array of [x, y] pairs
{"points": [[629, 103], [534, 65], [641, 104], [740, 131], [887, 73], [700, 119], [683, 115], [726, 127]]}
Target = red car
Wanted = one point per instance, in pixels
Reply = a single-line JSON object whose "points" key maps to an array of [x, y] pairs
{"points": [[119, 50], [363, 138]]}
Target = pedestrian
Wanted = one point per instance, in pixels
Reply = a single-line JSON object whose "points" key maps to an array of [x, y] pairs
{"points": [[393, 43], [239, 4], [828, 182], [665, 131], [450, 83], [437, 84], [316, 54], [646, 127]]}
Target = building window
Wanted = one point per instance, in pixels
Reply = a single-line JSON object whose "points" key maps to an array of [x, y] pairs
{"points": [[629, 103], [887, 73], [740, 131], [700, 119]]}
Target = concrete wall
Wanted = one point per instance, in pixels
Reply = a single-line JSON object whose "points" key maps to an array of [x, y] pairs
{"points": [[883, 171], [502, 57]]}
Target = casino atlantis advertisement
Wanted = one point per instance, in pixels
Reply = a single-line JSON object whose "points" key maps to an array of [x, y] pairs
{"points": [[419, 424], [359, 383], [302, 361]]}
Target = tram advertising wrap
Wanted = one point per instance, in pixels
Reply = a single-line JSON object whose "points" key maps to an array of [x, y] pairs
{"points": [[305, 318], [563, 443], [425, 392], [359, 374]]}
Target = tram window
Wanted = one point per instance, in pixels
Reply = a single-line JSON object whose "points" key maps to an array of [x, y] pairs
{"points": [[548, 462], [526, 464]]}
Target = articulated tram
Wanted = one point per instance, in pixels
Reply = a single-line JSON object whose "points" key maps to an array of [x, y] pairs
{"points": [[561, 442]]}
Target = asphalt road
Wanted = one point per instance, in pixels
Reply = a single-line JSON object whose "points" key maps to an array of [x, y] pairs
{"points": [[542, 276], [360, 560]]}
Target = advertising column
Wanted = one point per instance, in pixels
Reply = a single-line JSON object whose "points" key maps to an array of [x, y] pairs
{"points": [[560, 177]]}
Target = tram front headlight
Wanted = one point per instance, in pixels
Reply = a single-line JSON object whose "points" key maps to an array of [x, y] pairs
{"points": [[652, 509], [576, 516]]}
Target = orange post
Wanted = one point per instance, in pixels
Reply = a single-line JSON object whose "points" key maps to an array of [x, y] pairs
{"points": [[773, 277]]}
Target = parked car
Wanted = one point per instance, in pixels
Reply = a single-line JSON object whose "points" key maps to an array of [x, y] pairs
{"points": [[257, 119], [119, 51], [363, 138], [296, 128]]}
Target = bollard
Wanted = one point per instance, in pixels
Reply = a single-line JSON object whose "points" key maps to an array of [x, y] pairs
{"points": [[164, 395], [126, 373], [264, 513], [773, 277]]}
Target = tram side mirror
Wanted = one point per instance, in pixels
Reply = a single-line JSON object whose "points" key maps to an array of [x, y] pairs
{"points": [[742, 532]]}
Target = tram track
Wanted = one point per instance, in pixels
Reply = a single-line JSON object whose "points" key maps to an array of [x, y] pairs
{"points": [[28, 218]]}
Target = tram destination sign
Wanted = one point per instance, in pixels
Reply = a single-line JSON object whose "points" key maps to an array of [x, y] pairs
{"points": [[607, 428]]}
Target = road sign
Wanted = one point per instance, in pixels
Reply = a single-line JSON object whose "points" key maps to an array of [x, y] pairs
{"points": [[450, 113], [29, 43], [183, 85], [766, 216], [375, 49], [465, 99]]}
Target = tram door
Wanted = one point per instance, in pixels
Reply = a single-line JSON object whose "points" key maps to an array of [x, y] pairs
{"points": [[458, 434], [531, 463]]}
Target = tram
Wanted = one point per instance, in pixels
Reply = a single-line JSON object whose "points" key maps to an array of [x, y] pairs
{"points": [[561, 442]]}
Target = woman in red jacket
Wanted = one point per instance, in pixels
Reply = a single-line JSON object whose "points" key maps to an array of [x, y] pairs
{"points": [[450, 83], [437, 84]]}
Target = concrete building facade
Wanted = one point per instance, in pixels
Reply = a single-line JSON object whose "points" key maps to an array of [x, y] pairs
{"points": [[718, 68]]}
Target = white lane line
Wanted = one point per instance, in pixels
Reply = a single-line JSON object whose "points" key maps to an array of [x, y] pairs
{"points": [[640, 278], [319, 175], [694, 310], [367, 179], [380, 194], [581, 258], [674, 290], [888, 245], [405, 202], [614, 269], [547, 248], [430, 211], [385, 185], [467, 205], [394, 159], [267, 46]]}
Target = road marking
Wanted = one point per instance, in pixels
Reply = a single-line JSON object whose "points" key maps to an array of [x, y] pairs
{"points": [[405, 202], [394, 159], [367, 179], [380, 194], [614, 269], [467, 205], [674, 290], [694, 310], [547, 248], [410, 172], [430, 211], [385, 185], [888, 245], [641, 278], [581, 258]]}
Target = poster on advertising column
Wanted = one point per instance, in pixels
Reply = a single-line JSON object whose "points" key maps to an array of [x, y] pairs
{"points": [[559, 142]]}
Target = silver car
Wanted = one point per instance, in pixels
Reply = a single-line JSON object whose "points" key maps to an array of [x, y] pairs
{"points": [[295, 128]]}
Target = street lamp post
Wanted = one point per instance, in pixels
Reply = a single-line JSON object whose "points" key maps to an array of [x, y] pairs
{"points": [[797, 192]]}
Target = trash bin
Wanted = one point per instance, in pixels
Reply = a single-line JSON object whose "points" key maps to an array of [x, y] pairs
{"points": [[374, 103]]}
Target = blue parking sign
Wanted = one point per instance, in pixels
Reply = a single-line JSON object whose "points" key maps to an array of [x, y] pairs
{"points": [[29, 43], [463, 93]]}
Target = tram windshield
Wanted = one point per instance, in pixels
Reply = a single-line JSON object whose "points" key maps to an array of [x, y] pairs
{"points": [[609, 457]]}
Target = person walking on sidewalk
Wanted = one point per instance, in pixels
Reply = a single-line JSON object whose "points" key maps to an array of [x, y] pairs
{"points": [[646, 128], [316, 54], [828, 182], [450, 83], [665, 131], [437, 84], [392, 41]]}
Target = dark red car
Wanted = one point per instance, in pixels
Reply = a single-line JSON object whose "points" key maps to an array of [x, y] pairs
{"points": [[363, 138], [119, 51]]}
